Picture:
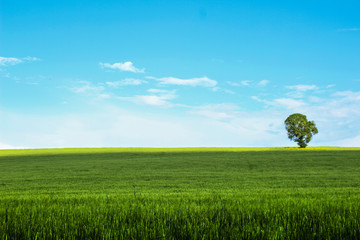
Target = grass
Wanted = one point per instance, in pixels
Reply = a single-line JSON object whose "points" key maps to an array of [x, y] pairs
{"points": [[190, 193]]}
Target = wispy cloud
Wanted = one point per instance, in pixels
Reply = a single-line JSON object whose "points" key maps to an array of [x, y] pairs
{"points": [[212, 114], [330, 85], [160, 91], [126, 82], [246, 82], [336, 115], [9, 61], [103, 96], [234, 84], [86, 88], [126, 67], [211, 125], [287, 103], [302, 88], [263, 83], [31, 59], [220, 112], [348, 96], [152, 100], [203, 81], [90, 90], [219, 89], [314, 99], [157, 97]]}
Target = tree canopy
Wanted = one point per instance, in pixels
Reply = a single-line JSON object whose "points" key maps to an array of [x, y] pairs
{"points": [[300, 129]]}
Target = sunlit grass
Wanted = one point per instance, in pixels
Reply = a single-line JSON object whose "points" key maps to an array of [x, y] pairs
{"points": [[190, 193]]}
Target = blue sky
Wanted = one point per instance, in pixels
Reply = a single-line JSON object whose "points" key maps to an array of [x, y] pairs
{"points": [[177, 73]]}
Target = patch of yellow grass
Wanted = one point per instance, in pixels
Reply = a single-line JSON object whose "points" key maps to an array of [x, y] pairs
{"points": [[19, 152]]}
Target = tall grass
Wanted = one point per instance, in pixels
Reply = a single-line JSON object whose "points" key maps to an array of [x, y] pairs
{"points": [[180, 217], [140, 194]]}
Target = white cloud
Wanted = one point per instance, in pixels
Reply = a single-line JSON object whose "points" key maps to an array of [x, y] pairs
{"points": [[212, 114], [226, 91], [103, 96], [237, 128], [337, 116], [299, 90], [234, 84], [348, 95], [8, 61], [258, 99], [5, 74], [330, 85], [337, 119], [315, 99], [203, 81], [219, 112], [263, 82], [219, 107], [246, 82], [126, 67], [31, 59], [287, 103], [302, 88], [152, 90], [87, 88], [109, 126], [219, 89], [126, 82], [159, 98], [152, 100]]}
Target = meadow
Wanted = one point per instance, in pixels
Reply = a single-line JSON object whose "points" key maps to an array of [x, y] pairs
{"points": [[190, 193]]}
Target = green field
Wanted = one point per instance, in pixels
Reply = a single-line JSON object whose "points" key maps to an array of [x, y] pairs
{"points": [[190, 193]]}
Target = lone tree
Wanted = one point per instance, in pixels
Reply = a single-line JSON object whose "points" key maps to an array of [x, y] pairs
{"points": [[299, 129]]}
